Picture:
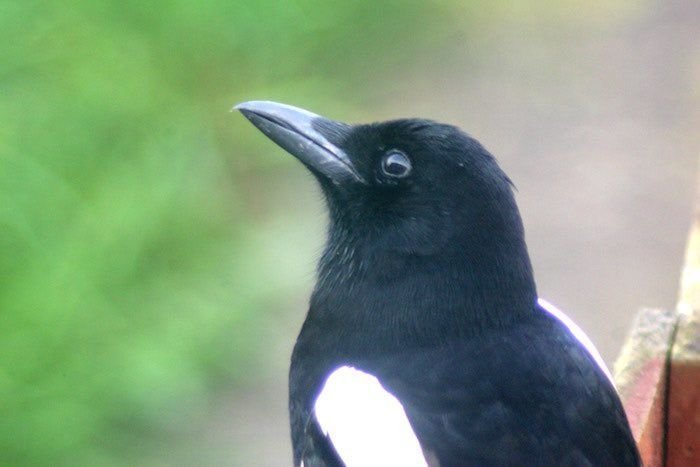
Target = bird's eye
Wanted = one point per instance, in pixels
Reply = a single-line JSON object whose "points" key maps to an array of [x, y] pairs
{"points": [[396, 164]]}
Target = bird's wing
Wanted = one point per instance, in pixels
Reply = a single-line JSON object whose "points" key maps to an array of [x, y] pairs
{"points": [[365, 423], [531, 394], [578, 333], [534, 394]]}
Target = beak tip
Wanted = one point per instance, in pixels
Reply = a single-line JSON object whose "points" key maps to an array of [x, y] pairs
{"points": [[240, 106], [253, 106]]}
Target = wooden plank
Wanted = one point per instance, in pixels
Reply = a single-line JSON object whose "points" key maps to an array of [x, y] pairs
{"points": [[683, 440], [641, 373]]}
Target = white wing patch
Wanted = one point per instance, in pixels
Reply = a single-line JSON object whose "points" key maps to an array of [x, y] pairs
{"points": [[578, 334], [366, 424]]}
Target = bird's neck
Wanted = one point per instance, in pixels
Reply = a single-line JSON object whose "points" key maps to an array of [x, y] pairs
{"points": [[473, 284]]}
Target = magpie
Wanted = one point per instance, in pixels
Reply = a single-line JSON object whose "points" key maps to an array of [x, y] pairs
{"points": [[425, 342]]}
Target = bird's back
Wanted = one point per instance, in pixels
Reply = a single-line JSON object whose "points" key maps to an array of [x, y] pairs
{"points": [[529, 394]]}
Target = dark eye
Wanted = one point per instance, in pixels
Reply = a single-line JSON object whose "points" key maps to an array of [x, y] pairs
{"points": [[396, 164]]}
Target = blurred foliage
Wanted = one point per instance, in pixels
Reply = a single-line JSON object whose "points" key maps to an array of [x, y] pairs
{"points": [[129, 292]]}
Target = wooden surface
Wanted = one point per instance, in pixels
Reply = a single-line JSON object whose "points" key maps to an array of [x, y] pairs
{"points": [[641, 374], [683, 437]]}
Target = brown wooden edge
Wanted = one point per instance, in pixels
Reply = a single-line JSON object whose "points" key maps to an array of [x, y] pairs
{"points": [[683, 423], [641, 375]]}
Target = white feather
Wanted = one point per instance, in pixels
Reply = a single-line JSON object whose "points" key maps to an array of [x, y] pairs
{"points": [[366, 424], [578, 334]]}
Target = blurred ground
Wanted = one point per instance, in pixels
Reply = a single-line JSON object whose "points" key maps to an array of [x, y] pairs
{"points": [[605, 164]]}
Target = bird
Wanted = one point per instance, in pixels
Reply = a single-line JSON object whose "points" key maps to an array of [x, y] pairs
{"points": [[425, 342]]}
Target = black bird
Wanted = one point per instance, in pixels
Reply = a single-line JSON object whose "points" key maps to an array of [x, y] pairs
{"points": [[426, 300]]}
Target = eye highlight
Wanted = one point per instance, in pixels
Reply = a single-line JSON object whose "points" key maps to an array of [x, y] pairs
{"points": [[396, 164]]}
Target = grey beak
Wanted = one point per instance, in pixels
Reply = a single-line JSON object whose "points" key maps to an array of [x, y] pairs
{"points": [[297, 131]]}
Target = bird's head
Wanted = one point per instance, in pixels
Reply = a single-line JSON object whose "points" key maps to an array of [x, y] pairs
{"points": [[410, 187], [420, 212]]}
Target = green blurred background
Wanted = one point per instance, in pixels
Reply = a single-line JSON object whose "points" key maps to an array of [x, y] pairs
{"points": [[156, 251]]}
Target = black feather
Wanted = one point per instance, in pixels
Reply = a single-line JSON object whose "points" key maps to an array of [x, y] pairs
{"points": [[426, 283]]}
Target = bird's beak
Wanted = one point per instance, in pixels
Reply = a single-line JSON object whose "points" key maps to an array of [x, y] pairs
{"points": [[300, 133]]}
